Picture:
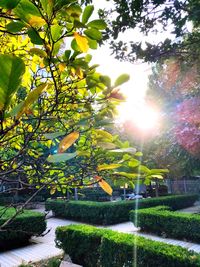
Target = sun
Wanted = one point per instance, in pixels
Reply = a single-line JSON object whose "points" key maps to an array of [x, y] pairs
{"points": [[143, 116]]}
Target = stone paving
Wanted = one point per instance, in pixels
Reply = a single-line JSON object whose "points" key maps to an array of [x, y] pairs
{"points": [[44, 247]]}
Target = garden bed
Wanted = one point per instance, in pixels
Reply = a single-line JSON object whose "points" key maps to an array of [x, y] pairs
{"points": [[20, 230], [106, 213], [92, 247], [164, 222]]}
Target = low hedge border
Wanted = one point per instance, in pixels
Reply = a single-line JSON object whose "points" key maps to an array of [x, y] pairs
{"points": [[25, 225], [164, 222], [93, 247], [112, 212]]}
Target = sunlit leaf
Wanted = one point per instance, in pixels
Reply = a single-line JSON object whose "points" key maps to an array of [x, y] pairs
{"points": [[31, 98], [103, 134], [106, 145], [11, 71], [122, 79], [36, 21], [124, 150], [56, 158], [104, 185], [67, 141], [158, 176], [155, 171], [138, 154], [82, 42], [53, 190], [62, 67], [134, 163], [108, 167], [87, 13]]}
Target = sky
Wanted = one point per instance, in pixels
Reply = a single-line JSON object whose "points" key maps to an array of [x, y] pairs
{"points": [[135, 89]]}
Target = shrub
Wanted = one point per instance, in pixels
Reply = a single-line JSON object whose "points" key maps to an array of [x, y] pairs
{"points": [[92, 247], [24, 226], [112, 212], [163, 221]]}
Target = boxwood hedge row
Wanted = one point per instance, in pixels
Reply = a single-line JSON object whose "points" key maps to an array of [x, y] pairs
{"points": [[92, 247], [162, 221], [20, 230], [112, 212]]}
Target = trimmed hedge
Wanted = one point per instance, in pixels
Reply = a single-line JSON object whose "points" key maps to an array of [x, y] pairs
{"points": [[112, 212], [20, 230], [162, 221], [93, 247]]}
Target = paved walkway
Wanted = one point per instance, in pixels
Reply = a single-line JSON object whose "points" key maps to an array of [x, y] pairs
{"points": [[44, 247]]}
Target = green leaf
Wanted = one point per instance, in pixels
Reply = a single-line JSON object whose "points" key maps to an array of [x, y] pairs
{"points": [[156, 171], [134, 163], [106, 80], [138, 154], [121, 79], [38, 52], [11, 71], [31, 98], [92, 43], [144, 169], [128, 175], [35, 37], [26, 10], [54, 135], [9, 4], [15, 26], [56, 32], [98, 24], [61, 157], [87, 13], [108, 167], [93, 34], [16, 109]]}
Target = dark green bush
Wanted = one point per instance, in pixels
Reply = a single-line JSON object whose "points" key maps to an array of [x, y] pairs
{"points": [[24, 226], [162, 221], [92, 247], [112, 212]]}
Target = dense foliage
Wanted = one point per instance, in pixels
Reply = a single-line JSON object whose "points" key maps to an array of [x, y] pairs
{"points": [[112, 212], [23, 226], [90, 247], [162, 221]]}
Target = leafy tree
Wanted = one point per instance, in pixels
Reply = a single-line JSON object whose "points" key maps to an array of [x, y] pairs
{"points": [[174, 87], [152, 16], [55, 106]]}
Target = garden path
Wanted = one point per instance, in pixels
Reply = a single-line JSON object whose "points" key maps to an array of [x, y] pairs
{"points": [[44, 247]]}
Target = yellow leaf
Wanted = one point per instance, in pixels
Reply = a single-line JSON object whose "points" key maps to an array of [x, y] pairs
{"points": [[82, 42], [79, 73], [38, 52], [108, 167], [36, 21], [67, 141], [104, 185], [62, 67], [32, 97], [103, 134], [53, 190]]}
